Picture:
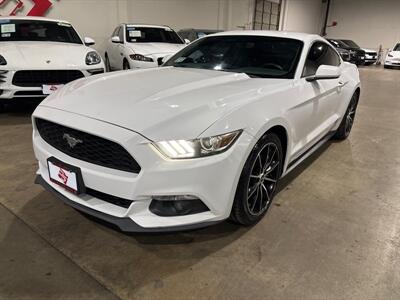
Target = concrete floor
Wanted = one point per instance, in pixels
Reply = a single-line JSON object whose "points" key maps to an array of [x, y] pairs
{"points": [[333, 233]]}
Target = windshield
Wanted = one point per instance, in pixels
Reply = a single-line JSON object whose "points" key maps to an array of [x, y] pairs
{"points": [[396, 48], [338, 44], [350, 43], [136, 34], [257, 56], [38, 31]]}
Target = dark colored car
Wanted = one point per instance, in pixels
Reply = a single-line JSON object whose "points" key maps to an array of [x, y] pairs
{"points": [[371, 56], [194, 34], [357, 55]]}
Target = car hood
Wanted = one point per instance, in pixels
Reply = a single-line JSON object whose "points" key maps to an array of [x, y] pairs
{"points": [[43, 55], [395, 54], [369, 50], [161, 103], [155, 48]]}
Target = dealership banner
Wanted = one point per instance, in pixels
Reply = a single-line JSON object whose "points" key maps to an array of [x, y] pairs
{"points": [[39, 8]]}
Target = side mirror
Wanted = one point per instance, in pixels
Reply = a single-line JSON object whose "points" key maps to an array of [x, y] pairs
{"points": [[89, 41], [325, 72], [187, 41], [116, 39]]}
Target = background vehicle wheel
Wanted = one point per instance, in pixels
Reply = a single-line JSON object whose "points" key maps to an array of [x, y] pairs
{"points": [[108, 66], [348, 120], [126, 65], [257, 183]]}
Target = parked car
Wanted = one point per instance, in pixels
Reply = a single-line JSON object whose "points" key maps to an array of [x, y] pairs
{"points": [[393, 57], [194, 34], [357, 55], [371, 56], [205, 137], [345, 54], [134, 46], [39, 55]]}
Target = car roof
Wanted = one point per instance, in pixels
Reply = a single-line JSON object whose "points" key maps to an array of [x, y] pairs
{"points": [[306, 37], [204, 30], [146, 25], [33, 19]]}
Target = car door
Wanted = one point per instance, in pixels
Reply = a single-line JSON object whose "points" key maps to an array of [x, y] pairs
{"points": [[316, 114], [115, 52]]}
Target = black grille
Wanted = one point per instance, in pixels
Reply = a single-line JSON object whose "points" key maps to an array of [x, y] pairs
{"points": [[125, 203], [90, 148], [36, 78]]}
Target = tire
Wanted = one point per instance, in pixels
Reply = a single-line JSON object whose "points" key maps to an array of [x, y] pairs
{"points": [[348, 119], [258, 180], [108, 66], [125, 65]]}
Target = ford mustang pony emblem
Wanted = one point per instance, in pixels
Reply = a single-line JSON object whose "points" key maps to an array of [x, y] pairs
{"points": [[72, 142]]}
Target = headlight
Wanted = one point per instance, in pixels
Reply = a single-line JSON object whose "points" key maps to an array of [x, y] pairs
{"points": [[93, 58], [3, 61], [141, 57], [390, 55], [181, 149]]}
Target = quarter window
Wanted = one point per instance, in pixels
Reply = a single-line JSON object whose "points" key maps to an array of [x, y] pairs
{"points": [[115, 33], [320, 54], [121, 33]]}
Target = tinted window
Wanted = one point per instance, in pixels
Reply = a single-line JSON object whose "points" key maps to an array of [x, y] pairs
{"points": [[136, 34], [320, 54], [396, 48], [256, 56], [350, 43], [338, 43], [38, 31]]}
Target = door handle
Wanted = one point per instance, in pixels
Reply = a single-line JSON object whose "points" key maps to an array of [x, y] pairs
{"points": [[341, 83]]}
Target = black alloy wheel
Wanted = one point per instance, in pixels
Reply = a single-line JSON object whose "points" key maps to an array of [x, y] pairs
{"points": [[258, 181]]}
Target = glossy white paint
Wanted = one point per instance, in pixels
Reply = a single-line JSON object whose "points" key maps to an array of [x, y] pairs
{"points": [[393, 57], [28, 55], [136, 108], [119, 50]]}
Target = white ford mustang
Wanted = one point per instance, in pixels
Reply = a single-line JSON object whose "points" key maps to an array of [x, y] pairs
{"points": [[140, 46], [201, 139], [38, 55]]}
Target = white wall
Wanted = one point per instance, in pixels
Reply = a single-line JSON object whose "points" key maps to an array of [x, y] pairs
{"points": [[98, 18], [179, 14], [93, 18], [302, 16], [369, 23]]}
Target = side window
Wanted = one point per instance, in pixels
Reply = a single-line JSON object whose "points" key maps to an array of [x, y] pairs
{"points": [[320, 54]]}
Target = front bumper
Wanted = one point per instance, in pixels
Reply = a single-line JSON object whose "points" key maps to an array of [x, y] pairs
{"points": [[212, 179], [124, 224], [10, 91], [392, 62], [371, 58]]}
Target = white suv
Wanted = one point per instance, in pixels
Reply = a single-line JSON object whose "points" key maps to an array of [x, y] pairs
{"points": [[140, 46]]}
